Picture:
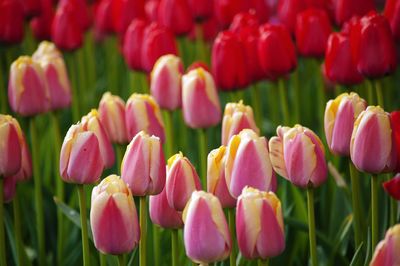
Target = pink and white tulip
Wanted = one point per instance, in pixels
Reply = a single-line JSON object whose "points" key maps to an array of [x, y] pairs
{"points": [[10, 147], [387, 251], [162, 214]]}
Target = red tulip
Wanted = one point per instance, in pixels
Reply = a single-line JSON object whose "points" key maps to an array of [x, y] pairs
{"points": [[151, 10], [124, 11], [392, 13], [198, 64], [175, 15], [31, 7], [225, 10], [392, 187], [312, 31], [11, 21], [103, 18], [395, 125], [201, 9], [244, 20], [288, 10], [80, 10], [263, 9], [41, 25], [209, 30], [228, 62], [346, 9], [133, 41]]}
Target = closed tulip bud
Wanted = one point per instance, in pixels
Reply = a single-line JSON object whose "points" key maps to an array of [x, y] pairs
{"points": [[112, 117], [395, 124], [200, 102], [392, 187], [216, 181], [11, 21], [206, 234], [162, 214], [28, 93], [248, 164], [228, 62], [392, 13], [373, 33], [312, 31], [157, 41], [143, 113], [244, 20], [201, 10], [339, 66], [346, 9], [225, 10], [175, 15], [41, 24], [31, 7], [287, 11], [259, 224], [340, 115], [10, 147], [165, 81], [9, 185], [371, 147], [91, 122], [298, 155], [386, 252], [143, 165], [113, 217], [151, 10], [103, 24], [124, 11], [81, 11], [182, 180], [263, 9], [81, 161], [276, 51], [237, 117], [133, 41]]}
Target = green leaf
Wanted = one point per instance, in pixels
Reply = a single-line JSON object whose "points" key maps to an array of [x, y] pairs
{"points": [[357, 255]]}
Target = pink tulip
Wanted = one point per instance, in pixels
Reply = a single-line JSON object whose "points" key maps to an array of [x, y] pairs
{"points": [[10, 147], [298, 155], [259, 224], [340, 115], [206, 234], [112, 117], [143, 113], [80, 159], [248, 164], [216, 182], [162, 214], [182, 180], [165, 81], [237, 117], [143, 165], [387, 251], [9, 185], [113, 217], [371, 147], [91, 122], [200, 102], [28, 93]]}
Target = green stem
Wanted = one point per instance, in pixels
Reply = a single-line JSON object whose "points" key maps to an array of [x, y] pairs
{"points": [[255, 101], [74, 86], [169, 140], [38, 194], [183, 132], [231, 221], [85, 242], [156, 244], [3, 95], [133, 81], [121, 261], [120, 155], [374, 212], [311, 226], [262, 262], [143, 231], [297, 96], [393, 211], [145, 83], [321, 95], [103, 259], [3, 260], [83, 89], [201, 53], [284, 101], [355, 195], [370, 92], [379, 93], [17, 228], [203, 155], [174, 248]]}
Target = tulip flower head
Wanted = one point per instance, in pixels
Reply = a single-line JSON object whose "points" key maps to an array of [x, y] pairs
{"points": [[113, 217], [175, 15], [345, 9], [201, 10], [133, 41], [206, 234], [41, 24], [392, 13], [287, 11], [298, 155], [387, 251], [340, 115], [11, 21], [10, 147], [9, 185], [225, 10], [395, 124], [162, 214], [125, 11], [392, 187], [259, 224]]}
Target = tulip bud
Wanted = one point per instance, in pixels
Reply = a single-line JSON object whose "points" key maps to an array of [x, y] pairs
{"points": [[225, 10], [206, 234], [298, 155], [200, 102], [143, 165], [151, 10], [259, 224], [28, 93], [175, 15], [216, 181], [371, 147], [287, 11], [165, 81], [392, 187], [133, 41], [228, 62], [143, 113], [80, 9], [10, 147], [248, 164], [340, 115], [113, 217], [392, 13], [11, 21], [182, 180], [395, 124], [162, 214], [81, 161], [386, 252], [91, 122], [237, 117], [41, 24], [124, 11], [244, 20], [9, 185], [112, 117], [346, 9], [263, 9], [201, 10], [103, 18]]}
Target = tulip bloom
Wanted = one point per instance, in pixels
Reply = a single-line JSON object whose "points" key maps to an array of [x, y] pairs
{"points": [[200, 102], [10, 147], [248, 164], [392, 13], [392, 187], [387, 251], [340, 115], [28, 93], [244, 20], [162, 214], [9, 185], [225, 10], [41, 24], [175, 15], [371, 147], [259, 224], [80, 9], [151, 10], [206, 234], [143, 113], [133, 41], [80, 159], [298, 155], [182, 180], [125, 11], [103, 18], [228, 62], [11, 21], [113, 217], [112, 117], [216, 181], [165, 81], [395, 124], [237, 117], [201, 10], [346, 9]]}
